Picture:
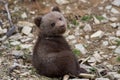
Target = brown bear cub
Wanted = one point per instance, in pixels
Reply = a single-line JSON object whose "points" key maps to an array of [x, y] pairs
{"points": [[52, 56]]}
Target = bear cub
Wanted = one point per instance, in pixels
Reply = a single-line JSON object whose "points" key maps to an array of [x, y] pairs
{"points": [[52, 56]]}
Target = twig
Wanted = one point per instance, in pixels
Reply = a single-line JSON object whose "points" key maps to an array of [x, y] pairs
{"points": [[84, 75], [85, 60], [12, 29]]}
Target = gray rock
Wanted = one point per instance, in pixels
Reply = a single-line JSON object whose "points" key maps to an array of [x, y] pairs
{"points": [[114, 25], [105, 43], [17, 53], [60, 2], [70, 37], [116, 3], [26, 46], [81, 48], [113, 19], [92, 60], [96, 20], [117, 76], [117, 50], [14, 43], [115, 11], [87, 28], [24, 15], [2, 31], [97, 56], [112, 47], [24, 23], [102, 79], [26, 30], [98, 34], [78, 79], [108, 7], [118, 33]]}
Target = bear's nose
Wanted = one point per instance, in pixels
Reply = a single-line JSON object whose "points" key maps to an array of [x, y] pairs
{"points": [[62, 26]]}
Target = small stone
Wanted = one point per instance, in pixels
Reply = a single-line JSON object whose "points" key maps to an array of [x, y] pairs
{"points": [[87, 28], [74, 41], [26, 46], [84, 1], [112, 47], [24, 23], [105, 43], [116, 3], [25, 40], [78, 79], [98, 34], [97, 57], [117, 50], [118, 33], [70, 37], [60, 2], [92, 60], [2, 31], [26, 30], [15, 65], [87, 37], [100, 8], [113, 19], [110, 67], [115, 11], [14, 43], [114, 25], [24, 15], [108, 7], [32, 12], [102, 79], [117, 76], [25, 74], [17, 53], [81, 48], [96, 20]]}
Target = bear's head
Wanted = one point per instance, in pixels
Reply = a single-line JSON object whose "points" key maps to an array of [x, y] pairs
{"points": [[51, 24]]}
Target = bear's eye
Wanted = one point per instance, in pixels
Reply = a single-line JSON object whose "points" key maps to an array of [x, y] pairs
{"points": [[52, 24], [60, 18]]}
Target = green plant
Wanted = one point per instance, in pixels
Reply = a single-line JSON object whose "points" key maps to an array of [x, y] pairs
{"points": [[100, 18], [76, 52], [92, 69], [118, 59], [74, 21], [18, 47], [86, 18], [118, 42], [1, 54]]}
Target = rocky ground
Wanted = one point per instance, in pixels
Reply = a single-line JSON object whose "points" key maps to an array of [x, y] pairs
{"points": [[93, 33]]}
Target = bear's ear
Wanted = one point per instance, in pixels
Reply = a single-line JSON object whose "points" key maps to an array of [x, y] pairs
{"points": [[56, 8], [37, 21]]}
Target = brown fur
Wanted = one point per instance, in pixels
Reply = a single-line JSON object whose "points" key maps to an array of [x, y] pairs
{"points": [[52, 56]]}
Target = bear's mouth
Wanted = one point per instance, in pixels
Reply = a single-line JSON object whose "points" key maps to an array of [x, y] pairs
{"points": [[61, 30]]}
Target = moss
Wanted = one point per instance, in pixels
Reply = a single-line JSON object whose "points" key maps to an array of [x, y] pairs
{"points": [[86, 18]]}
